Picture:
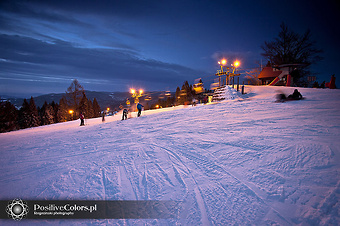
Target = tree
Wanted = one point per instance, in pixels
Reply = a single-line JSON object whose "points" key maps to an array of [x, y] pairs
{"points": [[63, 111], [96, 108], [186, 93], [83, 106], [90, 109], [292, 48], [34, 119], [178, 94], [47, 114], [74, 95], [55, 107], [28, 115], [252, 76], [8, 117], [23, 118]]}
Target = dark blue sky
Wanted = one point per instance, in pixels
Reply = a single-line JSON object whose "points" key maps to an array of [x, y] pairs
{"points": [[154, 45]]}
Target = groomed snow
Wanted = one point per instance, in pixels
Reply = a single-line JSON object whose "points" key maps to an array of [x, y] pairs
{"points": [[246, 160]]}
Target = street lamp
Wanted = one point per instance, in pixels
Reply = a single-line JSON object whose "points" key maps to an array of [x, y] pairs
{"points": [[228, 71], [236, 63], [136, 95], [222, 63], [71, 113]]}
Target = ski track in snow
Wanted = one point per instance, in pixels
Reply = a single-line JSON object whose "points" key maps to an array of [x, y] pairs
{"points": [[246, 160]]}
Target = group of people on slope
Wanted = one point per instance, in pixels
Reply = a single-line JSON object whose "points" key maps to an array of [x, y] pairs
{"points": [[125, 114], [139, 108], [281, 97]]}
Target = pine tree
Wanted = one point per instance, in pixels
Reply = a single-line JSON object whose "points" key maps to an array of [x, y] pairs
{"points": [[34, 115], [63, 111], [84, 106], [8, 117], [55, 107], [96, 108], [90, 109], [178, 94], [186, 93], [47, 114], [23, 116]]}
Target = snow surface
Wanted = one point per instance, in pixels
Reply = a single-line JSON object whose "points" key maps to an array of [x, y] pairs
{"points": [[246, 160]]}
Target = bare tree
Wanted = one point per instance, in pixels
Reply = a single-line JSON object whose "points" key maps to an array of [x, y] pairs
{"points": [[252, 76], [292, 48], [74, 95]]}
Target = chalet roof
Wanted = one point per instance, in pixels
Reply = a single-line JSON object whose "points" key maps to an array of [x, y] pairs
{"points": [[269, 72]]}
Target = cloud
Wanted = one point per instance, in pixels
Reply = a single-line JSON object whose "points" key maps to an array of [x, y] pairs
{"points": [[36, 60], [51, 10]]}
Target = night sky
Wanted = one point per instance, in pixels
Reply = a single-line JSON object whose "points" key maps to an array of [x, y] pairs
{"points": [[153, 45]]}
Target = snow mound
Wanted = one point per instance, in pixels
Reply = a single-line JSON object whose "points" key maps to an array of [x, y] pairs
{"points": [[225, 93], [231, 93]]}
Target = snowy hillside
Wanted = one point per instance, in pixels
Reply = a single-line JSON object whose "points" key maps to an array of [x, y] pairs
{"points": [[246, 160]]}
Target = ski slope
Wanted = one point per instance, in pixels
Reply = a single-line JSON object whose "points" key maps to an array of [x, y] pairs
{"points": [[245, 160]]}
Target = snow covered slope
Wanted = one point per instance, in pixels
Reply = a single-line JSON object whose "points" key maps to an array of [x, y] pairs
{"points": [[246, 160]]}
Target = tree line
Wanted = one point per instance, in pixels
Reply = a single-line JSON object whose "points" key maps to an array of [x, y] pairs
{"points": [[29, 115]]}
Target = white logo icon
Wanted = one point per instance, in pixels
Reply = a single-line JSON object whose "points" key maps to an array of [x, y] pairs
{"points": [[17, 209]]}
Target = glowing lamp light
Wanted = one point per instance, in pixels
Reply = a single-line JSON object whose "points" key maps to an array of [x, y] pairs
{"points": [[108, 109], [132, 91], [236, 63], [70, 111], [140, 91], [223, 62]]}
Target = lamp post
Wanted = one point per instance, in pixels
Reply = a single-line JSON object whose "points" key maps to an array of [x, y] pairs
{"points": [[222, 63], [136, 95], [71, 113], [235, 66], [228, 71]]}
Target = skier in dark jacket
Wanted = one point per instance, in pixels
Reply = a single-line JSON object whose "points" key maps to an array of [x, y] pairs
{"points": [[81, 119], [139, 107], [103, 117], [125, 113]]}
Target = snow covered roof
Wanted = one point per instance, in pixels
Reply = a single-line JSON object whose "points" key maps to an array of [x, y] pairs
{"points": [[269, 72]]}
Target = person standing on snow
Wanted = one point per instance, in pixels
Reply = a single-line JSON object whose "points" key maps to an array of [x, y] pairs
{"points": [[125, 112], [139, 107], [82, 119], [103, 117]]}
